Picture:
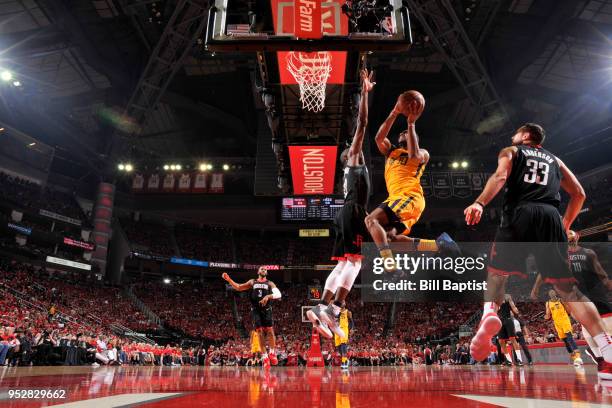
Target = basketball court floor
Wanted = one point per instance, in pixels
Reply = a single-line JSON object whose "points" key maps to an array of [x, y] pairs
{"points": [[466, 386]]}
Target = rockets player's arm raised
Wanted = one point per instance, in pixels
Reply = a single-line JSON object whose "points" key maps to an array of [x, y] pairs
{"points": [[355, 150], [599, 270], [572, 186], [240, 287]]}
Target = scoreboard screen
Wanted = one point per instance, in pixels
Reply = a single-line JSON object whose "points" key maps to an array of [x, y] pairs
{"points": [[310, 208]]}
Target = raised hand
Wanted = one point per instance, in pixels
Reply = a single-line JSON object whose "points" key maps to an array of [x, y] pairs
{"points": [[366, 80]]}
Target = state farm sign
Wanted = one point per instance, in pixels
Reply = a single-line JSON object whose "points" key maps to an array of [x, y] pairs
{"points": [[313, 169]]}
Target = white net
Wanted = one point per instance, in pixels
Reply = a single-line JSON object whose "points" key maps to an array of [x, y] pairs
{"points": [[311, 71]]}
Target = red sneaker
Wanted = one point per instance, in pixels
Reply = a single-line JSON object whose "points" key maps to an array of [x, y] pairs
{"points": [[273, 359], [266, 363], [604, 370]]}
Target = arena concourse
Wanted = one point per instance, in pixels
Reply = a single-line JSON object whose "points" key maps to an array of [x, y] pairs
{"points": [[193, 195]]}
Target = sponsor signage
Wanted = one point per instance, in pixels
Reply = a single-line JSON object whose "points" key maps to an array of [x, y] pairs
{"points": [[73, 242], [268, 267], [223, 265], [307, 18], [59, 217], [313, 169], [66, 262], [192, 262], [307, 233], [19, 228]]}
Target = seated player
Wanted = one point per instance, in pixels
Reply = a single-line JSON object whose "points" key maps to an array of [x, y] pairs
{"points": [[262, 291], [404, 166], [556, 308]]}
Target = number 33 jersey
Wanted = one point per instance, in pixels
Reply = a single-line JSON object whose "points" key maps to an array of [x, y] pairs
{"points": [[535, 178]]}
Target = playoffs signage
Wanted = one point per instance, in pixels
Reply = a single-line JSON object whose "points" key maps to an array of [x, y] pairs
{"points": [[313, 169]]}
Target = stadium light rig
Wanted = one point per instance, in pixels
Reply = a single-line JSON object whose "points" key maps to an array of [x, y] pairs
{"points": [[464, 164], [127, 167], [6, 75], [226, 167], [455, 165]]}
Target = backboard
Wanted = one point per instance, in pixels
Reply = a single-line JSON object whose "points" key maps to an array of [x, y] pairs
{"points": [[330, 25]]}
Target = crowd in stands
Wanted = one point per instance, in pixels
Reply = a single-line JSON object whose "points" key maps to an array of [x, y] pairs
{"points": [[205, 243], [31, 195], [149, 238]]}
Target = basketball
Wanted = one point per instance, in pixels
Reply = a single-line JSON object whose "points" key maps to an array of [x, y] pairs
{"points": [[408, 97]]}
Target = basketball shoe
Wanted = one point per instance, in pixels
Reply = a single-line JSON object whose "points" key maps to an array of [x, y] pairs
{"points": [[314, 315], [329, 317], [447, 246], [489, 326], [266, 363]]}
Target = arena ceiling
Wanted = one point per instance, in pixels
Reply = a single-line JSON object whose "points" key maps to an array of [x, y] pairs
{"points": [[91, 83]]}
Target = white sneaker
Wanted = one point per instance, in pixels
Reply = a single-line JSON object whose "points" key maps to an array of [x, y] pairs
{"points": [[314, 315], [95, 364]]}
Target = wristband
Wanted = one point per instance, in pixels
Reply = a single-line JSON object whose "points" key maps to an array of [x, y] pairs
{"points": [[480, 204]]}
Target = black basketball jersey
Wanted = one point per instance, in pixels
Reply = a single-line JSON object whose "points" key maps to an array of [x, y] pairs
{"points": [[260, 290], [535, 178], [356, 185], [504, 310], [589, 283]]}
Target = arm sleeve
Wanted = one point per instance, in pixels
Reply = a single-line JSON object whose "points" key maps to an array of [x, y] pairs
{"points": [[276, 294]]}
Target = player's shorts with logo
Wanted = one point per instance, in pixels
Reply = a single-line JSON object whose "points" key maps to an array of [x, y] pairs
{"points": [[507, 330], [262, 317], [351, 231], [531, 229], [403, 211]]}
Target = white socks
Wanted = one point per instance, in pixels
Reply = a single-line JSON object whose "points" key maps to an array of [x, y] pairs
{"points": [[331, 283], [349, 274], [605, 345], [518, 356], [488, 308]]}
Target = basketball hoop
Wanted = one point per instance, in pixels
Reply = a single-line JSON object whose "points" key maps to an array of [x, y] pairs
{"points": [[311, 71]]}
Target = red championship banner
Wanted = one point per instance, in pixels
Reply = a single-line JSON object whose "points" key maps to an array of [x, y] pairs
{"points": [[138, 183], [169, 182], [184, 185], [199, 185], [216, 183], [153, 182], [313, 169], [307, 18]]}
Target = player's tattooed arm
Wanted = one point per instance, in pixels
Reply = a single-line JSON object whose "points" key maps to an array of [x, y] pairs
{"points": [[494, 185], [355, 151], [238, 286], [572, 186]]}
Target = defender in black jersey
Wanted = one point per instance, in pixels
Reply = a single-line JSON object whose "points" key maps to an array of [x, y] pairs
{"points": [[533, 177], [349, 225], [262, 291]]}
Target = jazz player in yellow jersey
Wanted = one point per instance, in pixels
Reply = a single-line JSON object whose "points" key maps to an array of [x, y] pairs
{"points": [[556, 308], [341, 343], [404, 166]]}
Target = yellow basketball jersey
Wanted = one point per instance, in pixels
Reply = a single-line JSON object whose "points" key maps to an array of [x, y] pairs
{"points": [[344, 325], [557, 311], [255, 345], [403, 174]]}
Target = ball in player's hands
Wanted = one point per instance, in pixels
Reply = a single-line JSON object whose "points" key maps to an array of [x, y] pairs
{"points": [[225, 276], [411, 103]]}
